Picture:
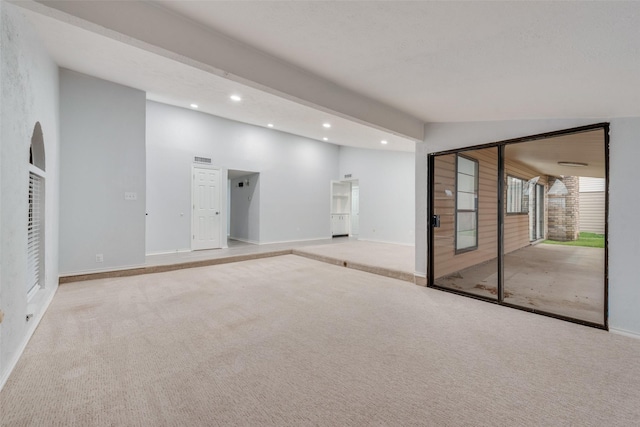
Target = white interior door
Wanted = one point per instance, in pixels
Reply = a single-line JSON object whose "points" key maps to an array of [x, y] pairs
{"points": [[205, 197], [355, 209]]}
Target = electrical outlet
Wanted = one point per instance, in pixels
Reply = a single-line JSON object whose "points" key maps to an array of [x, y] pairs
{"points": [[99, 258], [130, 195]]}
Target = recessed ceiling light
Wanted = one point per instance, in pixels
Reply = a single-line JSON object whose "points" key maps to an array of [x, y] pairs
{"points": [[194, 106], [325, 139], [236, 98], [327, 125], [573, 164], [384, 141], [270, 125]]}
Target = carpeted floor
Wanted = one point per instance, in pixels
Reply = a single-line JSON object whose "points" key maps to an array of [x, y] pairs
{"points": [[290, 341]]}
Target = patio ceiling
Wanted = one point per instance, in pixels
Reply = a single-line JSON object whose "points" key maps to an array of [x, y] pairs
{"points": [[544, 155]]}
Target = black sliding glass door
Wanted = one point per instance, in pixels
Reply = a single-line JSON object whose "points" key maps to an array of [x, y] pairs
{"points": [[523, 223]]}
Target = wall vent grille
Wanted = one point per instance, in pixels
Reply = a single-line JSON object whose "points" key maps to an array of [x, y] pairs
{"points": [[204, 160]]}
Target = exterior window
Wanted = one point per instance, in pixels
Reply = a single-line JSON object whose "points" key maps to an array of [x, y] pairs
{"points": [[517, 195], [466, 204]]}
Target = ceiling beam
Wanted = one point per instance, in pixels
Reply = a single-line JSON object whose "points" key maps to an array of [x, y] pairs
{"points": [[153, 28]]}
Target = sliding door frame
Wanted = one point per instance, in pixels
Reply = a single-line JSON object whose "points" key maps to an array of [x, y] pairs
{"points": [[501, 217]]}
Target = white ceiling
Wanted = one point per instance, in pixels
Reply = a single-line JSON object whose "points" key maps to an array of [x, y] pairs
{"points": [[175, 83], [453, 61], [437, 61]]}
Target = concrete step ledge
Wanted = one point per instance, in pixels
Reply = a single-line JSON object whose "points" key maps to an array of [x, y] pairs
{"points": [[380, 271], [170, 267]]}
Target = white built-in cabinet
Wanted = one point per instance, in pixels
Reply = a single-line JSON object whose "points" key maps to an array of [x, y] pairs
{"points": [[340, 208]]}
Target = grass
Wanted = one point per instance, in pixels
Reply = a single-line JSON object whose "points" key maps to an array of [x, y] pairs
{"points": [[590, 240]]}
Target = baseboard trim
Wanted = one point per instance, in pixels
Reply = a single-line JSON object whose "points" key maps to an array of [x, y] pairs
{"points": [[625, 333], [23, 345]]}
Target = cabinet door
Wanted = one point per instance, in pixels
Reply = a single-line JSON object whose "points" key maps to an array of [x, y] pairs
{"points": [[343, 224]]}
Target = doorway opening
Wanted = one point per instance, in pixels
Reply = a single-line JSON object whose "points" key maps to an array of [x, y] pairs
{"points": [[345, 210], [506, 223], [243, 208]]}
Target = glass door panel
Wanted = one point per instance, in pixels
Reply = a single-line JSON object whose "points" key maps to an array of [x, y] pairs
{"points": [[536, 210], [564, 274], [465, 235]]}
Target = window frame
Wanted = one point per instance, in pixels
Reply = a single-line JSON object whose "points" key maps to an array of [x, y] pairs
{"points": [[476, 202], [522, 195]]}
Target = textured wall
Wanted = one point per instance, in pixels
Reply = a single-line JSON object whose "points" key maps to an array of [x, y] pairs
{"points": [[29, 81]]}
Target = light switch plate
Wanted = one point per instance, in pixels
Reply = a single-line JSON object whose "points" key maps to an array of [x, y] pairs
{"points": [[130, 195]]}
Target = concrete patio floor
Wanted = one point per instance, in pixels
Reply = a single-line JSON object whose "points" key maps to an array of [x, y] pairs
{"points": [[563, 280]]}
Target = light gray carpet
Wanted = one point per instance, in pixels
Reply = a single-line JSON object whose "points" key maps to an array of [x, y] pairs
{"points": [[289, 341]]}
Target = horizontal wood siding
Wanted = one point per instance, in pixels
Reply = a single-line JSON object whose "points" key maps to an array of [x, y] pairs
{"points": [[516, 226], [446, 261], [592, 207], [588, 184]]}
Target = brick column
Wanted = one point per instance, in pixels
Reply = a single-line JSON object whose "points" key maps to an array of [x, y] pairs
{"points": [[563, 204]]}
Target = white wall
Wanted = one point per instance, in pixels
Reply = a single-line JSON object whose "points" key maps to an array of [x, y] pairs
{"points": [[245, 208], [624, 229], [294, 175], [387, 192], [421, 198], [2, 72], [102, 156], [29, 80]]}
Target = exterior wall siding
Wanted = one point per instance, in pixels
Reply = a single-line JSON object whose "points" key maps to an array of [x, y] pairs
{"points": [[446, 260], [592, 209], [516, 227]]}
